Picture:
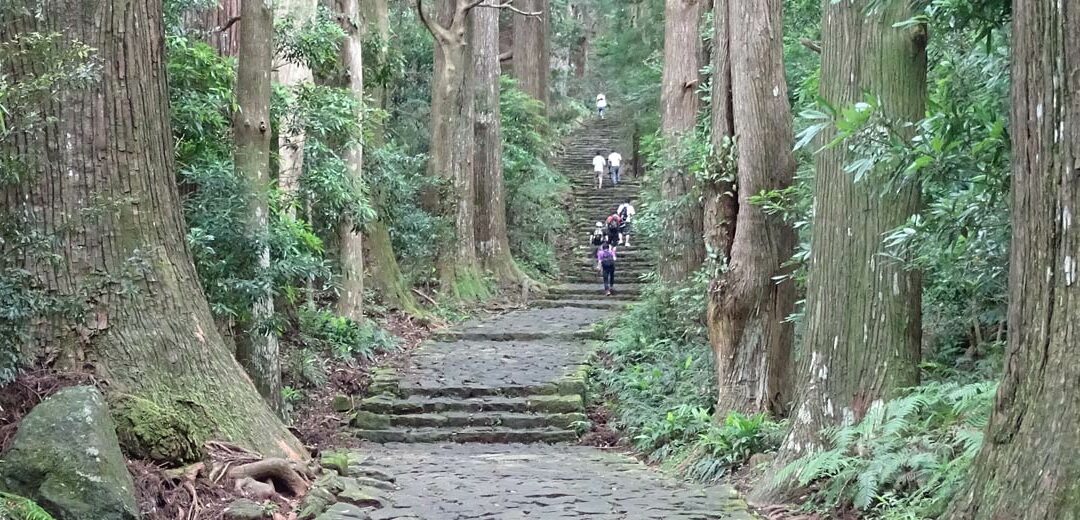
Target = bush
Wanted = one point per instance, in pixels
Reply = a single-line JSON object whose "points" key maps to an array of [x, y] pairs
{"points": [[342, 337], [905, 459]]}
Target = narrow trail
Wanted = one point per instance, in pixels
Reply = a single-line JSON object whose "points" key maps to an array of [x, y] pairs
{"points": [[483, 421]]}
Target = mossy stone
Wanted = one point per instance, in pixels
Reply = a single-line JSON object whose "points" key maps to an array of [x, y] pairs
{"points": [[67, 458], [370, 421]]}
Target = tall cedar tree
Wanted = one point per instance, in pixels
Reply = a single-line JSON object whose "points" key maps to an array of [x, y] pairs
{"points": [[381, 266], [532, 48], [492, 242], [1028, 468], [862, 335], [350, 240], [748, 306], [453, 145], [292, 75], [102, 184], [259, 350], [681, 245]]}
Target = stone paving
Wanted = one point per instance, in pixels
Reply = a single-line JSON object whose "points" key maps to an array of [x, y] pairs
{"points": [[501, 380], [537, 481]]}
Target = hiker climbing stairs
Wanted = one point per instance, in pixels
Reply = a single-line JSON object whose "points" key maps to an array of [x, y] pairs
{"points": [[583, 285], [517, 377]]}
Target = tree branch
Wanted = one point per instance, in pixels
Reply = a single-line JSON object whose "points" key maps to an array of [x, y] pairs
{"points": [[508, 55], [229, 23], [509, 6], [811, 44], [437, 31]]}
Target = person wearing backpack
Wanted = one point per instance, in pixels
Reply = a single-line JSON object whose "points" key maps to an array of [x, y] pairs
{"points": [[598, 238], [614, 223], [605, 262], [626, 212]]}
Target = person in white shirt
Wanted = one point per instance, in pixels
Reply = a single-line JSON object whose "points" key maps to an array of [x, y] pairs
{"points": [[598, 164], [601, 104], [614, 166], [626, 211]]}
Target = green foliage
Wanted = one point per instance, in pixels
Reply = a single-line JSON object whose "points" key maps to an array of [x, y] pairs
{"points": [[15, 507], [659, 380], [905, 459], [343, 337], [536, 213], [314, 42]]}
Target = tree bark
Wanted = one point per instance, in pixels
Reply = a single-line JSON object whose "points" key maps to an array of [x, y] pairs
{"points": [[492, 242], [579, 52], [101, 183], [863, 328], [532, 49], [452, 148], [350, 241], [251, 128], [217, 25], [383, 272], [1028, 468], [681, 245], [748, 308], [292, 76]]}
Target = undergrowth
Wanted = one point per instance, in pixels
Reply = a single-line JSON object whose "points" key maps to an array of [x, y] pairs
{"points": [[905, 459], [659, 382]]}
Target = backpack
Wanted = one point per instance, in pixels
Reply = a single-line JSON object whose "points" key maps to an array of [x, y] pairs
{"points": [[598, 238], [613, 223], [607, 258], [623, 213]]}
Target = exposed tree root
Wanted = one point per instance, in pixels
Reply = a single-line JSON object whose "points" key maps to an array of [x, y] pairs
{"points": [[279, 472]]}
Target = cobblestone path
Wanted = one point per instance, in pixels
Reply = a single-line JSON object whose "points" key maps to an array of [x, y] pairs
{"points": [[482, 422]]}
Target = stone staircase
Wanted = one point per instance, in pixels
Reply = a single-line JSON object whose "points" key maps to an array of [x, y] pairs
{"points": [[583, 285], [517, 377]]}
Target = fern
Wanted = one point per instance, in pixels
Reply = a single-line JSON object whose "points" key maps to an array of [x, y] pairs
{"points": [[905, 458], [14, 507]]}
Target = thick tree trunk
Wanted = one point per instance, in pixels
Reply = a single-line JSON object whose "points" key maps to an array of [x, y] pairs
{"points": [[862, 307], [292, 75], [579, 52], [251, 128], [492, 243], [1028, 468], [383, 272], [747, 326], [681, 246], [350, 242], [217, 25], [102, 184], [532, 50], [452, 149]]}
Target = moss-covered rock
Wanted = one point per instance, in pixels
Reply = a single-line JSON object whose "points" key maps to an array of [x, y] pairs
{"points": [[370, 421], [167, 434], [67, 458]]}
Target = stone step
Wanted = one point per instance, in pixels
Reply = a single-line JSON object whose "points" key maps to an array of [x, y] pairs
{"points": [[588, 291], [417, 404], [462, 420], [488, 435], [582, 303], [467, 391]]}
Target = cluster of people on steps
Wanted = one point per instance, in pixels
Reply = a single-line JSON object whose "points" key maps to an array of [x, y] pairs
{"points": [[612, 163], [607, 237]]}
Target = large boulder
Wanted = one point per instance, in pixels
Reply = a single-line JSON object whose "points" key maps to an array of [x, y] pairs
{"points": [[66, 457]]}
